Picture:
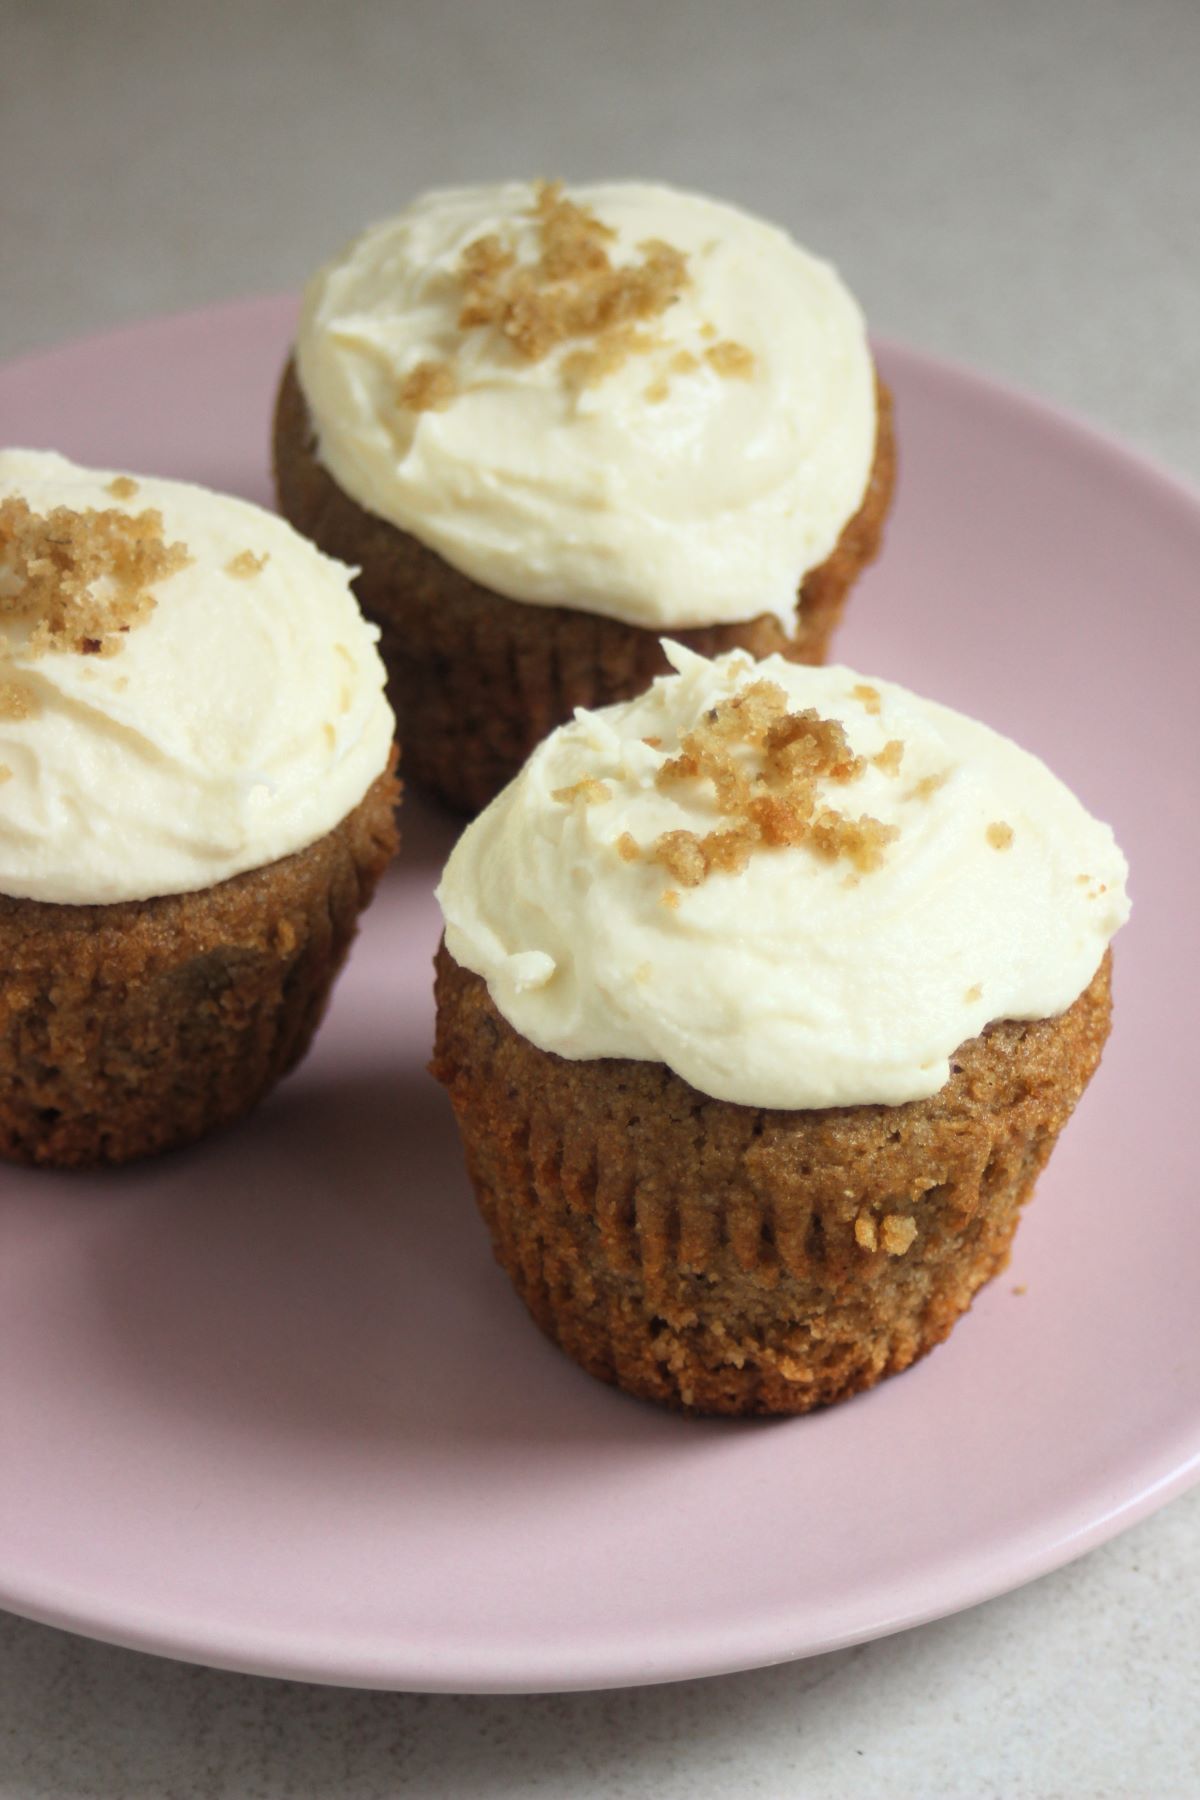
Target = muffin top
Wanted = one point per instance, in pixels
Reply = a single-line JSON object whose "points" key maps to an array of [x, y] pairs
{"points": [[795, 887], [187, 687], [627, 400]]}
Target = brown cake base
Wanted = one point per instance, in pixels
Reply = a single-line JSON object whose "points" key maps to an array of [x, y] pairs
{"points": [[726, 1259], [139, 1026], [478, 680]]}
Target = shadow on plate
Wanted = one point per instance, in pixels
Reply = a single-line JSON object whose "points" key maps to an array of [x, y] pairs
{"points": [[322, 1273]]}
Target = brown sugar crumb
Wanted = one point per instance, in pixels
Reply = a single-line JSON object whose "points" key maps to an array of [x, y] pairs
{"points": [[572, 290], [683, 362], [658, 390], [588, 368], [246, 564], [627, 847], [18, 701], [869, 696], [774, 805], [972, 994], [731, 360], [928, 786], [122, 487], [999, 835], [428, 387], [82, 578], [1020, 1288], [655, 743], [897, 1232], [590, 791], [865, 1235], [889, 758], [669, 898]]}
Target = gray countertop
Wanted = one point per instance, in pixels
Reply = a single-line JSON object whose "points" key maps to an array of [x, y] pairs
{"points": [[1012, 186]]}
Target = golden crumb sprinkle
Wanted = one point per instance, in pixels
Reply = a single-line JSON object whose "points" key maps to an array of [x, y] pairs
{"points": [[82, 579], [683, 362], [774, 804], [897, 1232], [590, 791], [669, 898], [573, 289], [731, 361], [870, 697], [627, 847], [928, 786], [973, 994], [588, 368], [18, 701], [889, 758], [999, 834], [246, 563], [865, 1235], [658, 390], [428, 387], [122, 487], [1020, 1289]]}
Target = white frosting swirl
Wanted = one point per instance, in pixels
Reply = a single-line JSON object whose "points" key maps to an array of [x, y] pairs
{"points": [[796, 983], [239, 722], [707, 506]]}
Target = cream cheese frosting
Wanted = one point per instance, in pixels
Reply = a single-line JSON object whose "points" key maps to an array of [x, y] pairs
{"points": [[240, 720], [806, 979], [720, 461]]}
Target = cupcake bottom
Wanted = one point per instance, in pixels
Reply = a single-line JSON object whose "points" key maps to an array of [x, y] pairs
{"points": [[726, 1259], [139, 1026], [478, 680]]}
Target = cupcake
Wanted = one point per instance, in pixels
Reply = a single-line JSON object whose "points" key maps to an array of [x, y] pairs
{"points": [[546, 428], [196, 797], [761, 1003]]}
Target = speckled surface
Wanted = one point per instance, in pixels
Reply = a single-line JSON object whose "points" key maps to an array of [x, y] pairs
{"points": [[1011, 186]]}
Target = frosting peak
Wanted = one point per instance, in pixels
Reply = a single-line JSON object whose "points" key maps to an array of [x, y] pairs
{"points": [[630, 400], [638, 892]]}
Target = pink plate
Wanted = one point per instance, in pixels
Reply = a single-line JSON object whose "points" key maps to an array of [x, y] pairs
{"points": [[269, 1405]]}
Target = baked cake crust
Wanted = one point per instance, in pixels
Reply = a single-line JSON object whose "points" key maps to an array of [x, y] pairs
{"points": [[730, 1259], [135, 1027], [477, 680]]}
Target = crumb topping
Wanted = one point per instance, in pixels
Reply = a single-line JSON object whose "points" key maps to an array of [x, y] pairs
{"points": [[590, 791], [870, 696], [122, 487], [972, 994], [889, 758], [928, 786], [81, 578], [865, 1235], [731, 360], [896, 1233], [572, 290], [428, 387], [999, 834], [246, 563], [768, 806], [18, 701]]}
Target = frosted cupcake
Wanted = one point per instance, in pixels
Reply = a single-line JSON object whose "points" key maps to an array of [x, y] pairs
{"points": [[546, 427], [196, 797], [762, 1001]]}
